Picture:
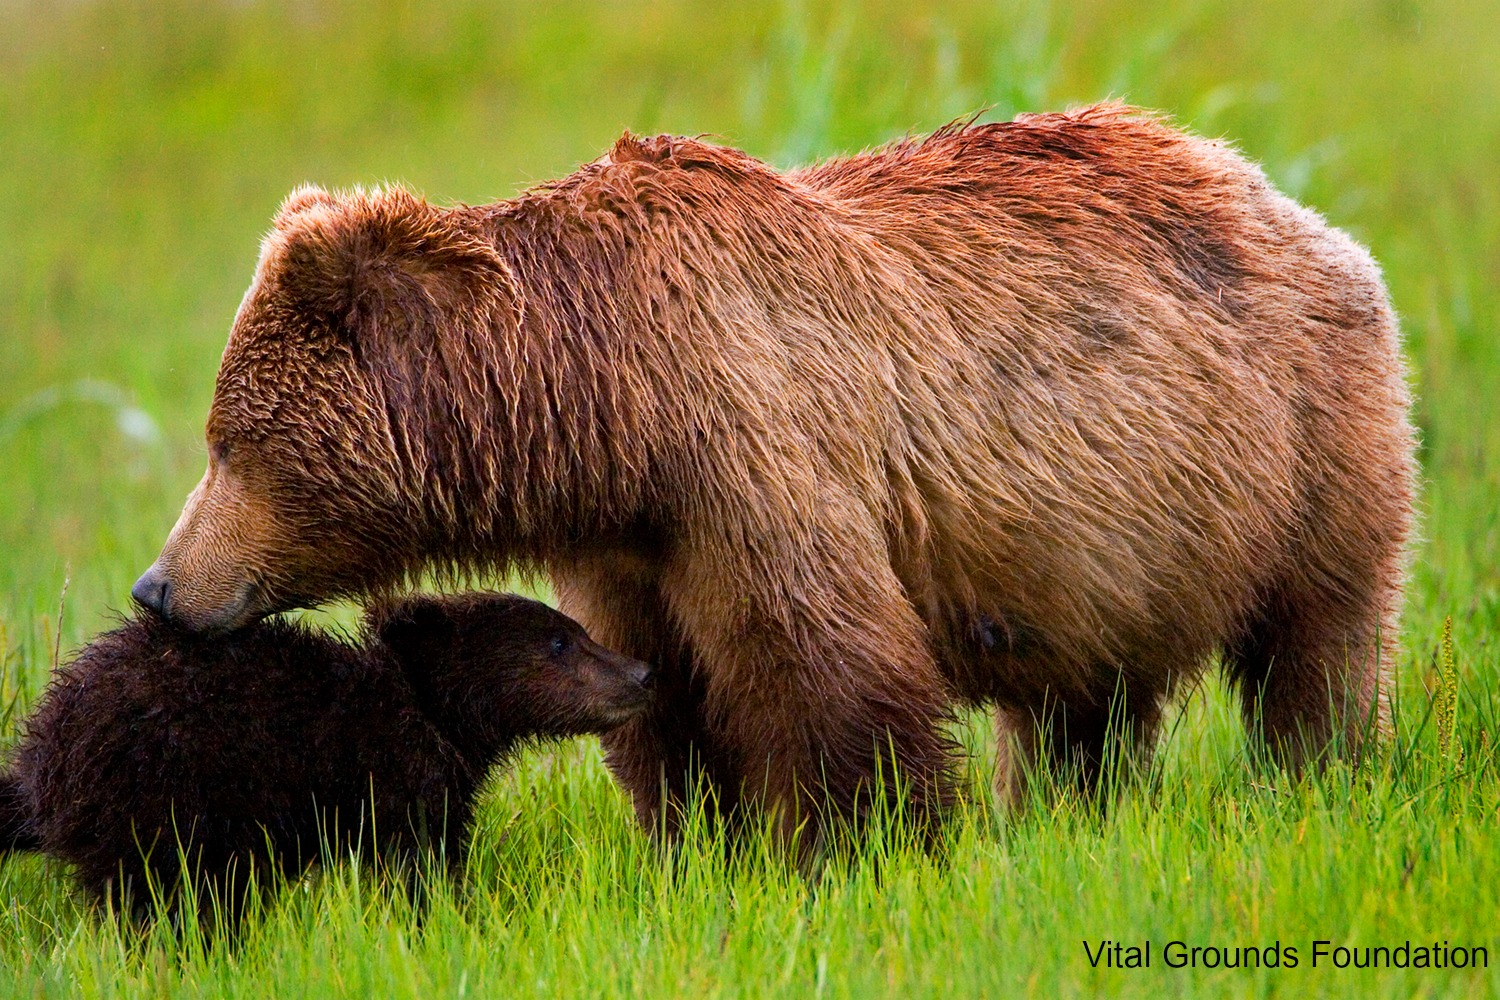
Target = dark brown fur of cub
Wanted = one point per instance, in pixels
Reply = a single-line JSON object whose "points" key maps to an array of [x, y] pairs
{"points": [[247, 751]]}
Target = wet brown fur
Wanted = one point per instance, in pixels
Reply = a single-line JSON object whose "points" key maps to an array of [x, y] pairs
{"points": [[1030, 413], [250, 752]]}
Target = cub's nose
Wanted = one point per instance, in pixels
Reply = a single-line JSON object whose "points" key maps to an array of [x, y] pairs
{"points": [[152, 591], [640, 673]]}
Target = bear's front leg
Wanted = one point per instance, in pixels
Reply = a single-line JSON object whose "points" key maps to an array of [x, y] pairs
{"points": [[664, 758], [820, 684]]}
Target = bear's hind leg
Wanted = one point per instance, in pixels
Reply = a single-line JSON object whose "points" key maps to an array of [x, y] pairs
{"points": [[1312, 667]]}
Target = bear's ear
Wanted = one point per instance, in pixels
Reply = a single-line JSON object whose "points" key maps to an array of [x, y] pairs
{"points": [[302, 198], [355, 257], [418, 296]]}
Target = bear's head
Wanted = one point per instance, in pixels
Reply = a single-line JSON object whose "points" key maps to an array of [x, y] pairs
{"points": [[353, 377], [491, 669]]}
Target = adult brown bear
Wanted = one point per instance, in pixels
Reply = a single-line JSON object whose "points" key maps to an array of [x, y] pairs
{"points": [[1036, 413]]}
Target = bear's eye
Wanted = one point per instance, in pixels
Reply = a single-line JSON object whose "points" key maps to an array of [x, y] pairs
{"points": [[559, 645], [218, 452]]}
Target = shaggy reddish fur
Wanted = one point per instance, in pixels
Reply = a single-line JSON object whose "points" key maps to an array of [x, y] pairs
{"points": [[249, 750], [1036, 413]]}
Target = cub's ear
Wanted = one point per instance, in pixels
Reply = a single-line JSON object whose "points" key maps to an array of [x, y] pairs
{"points": [[355, 257], [414, 629]]}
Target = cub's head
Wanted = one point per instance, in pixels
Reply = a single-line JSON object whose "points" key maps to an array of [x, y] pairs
{"points": [[346, 396], [496, 668]]}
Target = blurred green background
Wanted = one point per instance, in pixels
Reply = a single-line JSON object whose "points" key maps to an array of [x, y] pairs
{"points": [[145, 146]]}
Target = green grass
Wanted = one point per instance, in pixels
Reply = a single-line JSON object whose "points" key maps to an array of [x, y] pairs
{"points": [[145, 147]]}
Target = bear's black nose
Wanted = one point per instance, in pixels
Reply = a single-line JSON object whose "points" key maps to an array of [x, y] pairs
{"points": [[152, 591]]}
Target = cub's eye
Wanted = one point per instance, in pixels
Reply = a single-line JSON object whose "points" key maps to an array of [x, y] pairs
{"points": [[559, 645], [218, 452]]}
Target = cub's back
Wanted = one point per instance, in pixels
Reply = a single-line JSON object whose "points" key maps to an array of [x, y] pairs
{"points": [[149, 728]]}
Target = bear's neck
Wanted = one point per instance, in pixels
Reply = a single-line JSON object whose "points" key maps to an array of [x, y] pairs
{"points": [[569, 447]]}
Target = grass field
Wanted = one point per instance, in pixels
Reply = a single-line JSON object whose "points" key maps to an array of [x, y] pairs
{"points": [[143, 149]]}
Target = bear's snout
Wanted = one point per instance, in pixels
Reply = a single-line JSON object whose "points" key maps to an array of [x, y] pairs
{"points": [[158, 593], [153, 591], [207, 578]]}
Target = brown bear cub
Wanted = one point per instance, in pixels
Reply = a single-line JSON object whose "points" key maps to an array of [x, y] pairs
{"points": [[250, 751]]}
